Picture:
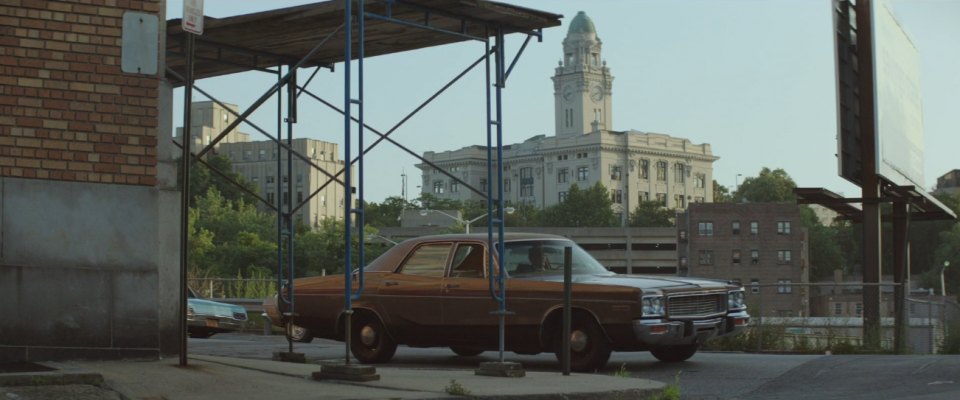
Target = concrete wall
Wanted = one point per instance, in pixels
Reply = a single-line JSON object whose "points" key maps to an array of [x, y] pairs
{"points": [[79, 266]]}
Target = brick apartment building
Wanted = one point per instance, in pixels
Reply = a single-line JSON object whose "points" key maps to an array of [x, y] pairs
{"points": [[89, 212], [761, 245]]}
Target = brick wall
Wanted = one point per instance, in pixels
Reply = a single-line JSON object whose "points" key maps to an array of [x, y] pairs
{"points": [[67, 112]]}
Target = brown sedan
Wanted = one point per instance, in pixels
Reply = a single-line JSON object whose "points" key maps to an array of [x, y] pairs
{"points": [[434, 292]]}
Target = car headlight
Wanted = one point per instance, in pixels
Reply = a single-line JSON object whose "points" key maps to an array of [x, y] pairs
{"points": [[735, 300], [190, 310], [652, 305]]}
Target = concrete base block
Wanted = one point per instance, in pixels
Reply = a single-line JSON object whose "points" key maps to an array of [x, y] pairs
{"points": [[347, 372], [501, 369], [289, 357]]}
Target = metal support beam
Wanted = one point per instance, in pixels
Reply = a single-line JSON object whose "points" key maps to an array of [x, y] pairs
{"points": [[187, 140]]}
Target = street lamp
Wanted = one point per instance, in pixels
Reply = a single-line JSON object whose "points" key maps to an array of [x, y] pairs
{"points": [[943, 286], [466, 223], [372, 236]]}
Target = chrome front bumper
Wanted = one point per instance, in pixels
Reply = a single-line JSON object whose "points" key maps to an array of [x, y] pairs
{"points": [[671, 332], [216, 323]]}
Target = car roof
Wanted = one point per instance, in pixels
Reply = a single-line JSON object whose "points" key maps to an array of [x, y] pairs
{"points": [[508, 237]]}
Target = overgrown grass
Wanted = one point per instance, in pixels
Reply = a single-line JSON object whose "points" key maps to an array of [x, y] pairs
{"points": [[622, 371], [456, 389], [671, 391], [951, 342], [774, 338]]}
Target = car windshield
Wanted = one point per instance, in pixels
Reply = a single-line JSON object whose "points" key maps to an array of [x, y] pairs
{"points": [[539, 257]]}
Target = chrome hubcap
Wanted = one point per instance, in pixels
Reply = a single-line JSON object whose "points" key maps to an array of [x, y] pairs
{"points": [[368, 336], [578, 341]]}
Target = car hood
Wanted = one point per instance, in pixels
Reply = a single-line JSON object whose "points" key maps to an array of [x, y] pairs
{"points": [[640, 281], [208, 307]]}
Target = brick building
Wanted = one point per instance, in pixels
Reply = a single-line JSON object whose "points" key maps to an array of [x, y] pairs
{"points": [[761, 245], [89, 224]]}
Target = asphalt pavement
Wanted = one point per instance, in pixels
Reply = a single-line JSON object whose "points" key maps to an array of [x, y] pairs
{"points": [[213, 377]]}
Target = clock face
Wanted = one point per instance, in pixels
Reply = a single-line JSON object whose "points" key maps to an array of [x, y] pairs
{"points": [[596, 93], [567, 92]]}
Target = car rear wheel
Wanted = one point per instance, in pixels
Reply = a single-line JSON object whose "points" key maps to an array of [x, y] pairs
{"points": [[676, 353], [466, 351], [589, 349], [369, 341], [298, 333]]}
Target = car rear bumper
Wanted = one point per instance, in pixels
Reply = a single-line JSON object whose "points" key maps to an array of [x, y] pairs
{"points": [[669, 332], [219, 324]]}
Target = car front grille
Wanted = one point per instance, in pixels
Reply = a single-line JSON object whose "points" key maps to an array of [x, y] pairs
{"points": [[697, 305]]}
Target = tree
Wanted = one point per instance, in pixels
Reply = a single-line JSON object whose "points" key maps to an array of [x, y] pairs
{"points": [[769, 186], [721, 194], [587, 208], [650, 214], [230, 238], [824, 248], [202, 179], [386, 213]]}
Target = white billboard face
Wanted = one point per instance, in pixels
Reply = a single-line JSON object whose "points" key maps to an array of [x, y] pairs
{"points": [[899, 109]]}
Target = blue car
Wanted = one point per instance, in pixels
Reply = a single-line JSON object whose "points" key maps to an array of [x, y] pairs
{"points": [[206, 317]]}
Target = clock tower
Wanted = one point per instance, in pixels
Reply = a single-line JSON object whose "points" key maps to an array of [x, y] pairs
{"points": [[582, 82]]}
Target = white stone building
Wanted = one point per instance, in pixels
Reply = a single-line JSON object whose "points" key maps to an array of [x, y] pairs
{"points": [[634, 166]]}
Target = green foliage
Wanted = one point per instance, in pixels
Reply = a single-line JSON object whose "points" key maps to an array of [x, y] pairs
{"points": [[622, 371], [671, 391], [582, 208], [202, 180], [649, 214], [721, 194], [525, 215], [429, 201], [826, 254], [456, 389], [387, 213], [768, 187], [951, 342]]}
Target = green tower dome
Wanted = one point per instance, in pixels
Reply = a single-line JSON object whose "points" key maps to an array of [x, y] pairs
{"points": [[582, 24]]}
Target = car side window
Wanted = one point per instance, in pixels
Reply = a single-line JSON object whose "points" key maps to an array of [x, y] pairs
{"points": [[428, 260], [468, 261]]}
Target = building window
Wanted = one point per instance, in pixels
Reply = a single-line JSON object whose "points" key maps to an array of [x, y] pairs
{"points": [[837, 308], [705, 228], [438, 187], [644, 169], [299, 197], [698, 199], [616, 196], [256, 180], [662, 199], [706, 257], [582, 173], [783, 256], [454, 186], [735, 255], [859, 309], [785, 286], [679, 201], [700, 181], [483, 183], [662, 171], [783, 227], [754, 256], [506, 185], [262, 154], [679, 172], [562, 175], [270, 178], [270, 197], [643, 196], [754, 286], [754, 228], [562, 196], [735, 227], [615, 172], [247, 154]]}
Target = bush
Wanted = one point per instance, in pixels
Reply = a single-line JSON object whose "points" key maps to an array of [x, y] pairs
{"points": [[951, 342]]}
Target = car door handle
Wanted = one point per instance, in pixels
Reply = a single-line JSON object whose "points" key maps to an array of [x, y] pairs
{"points": [[391, 283], [452, 285]]}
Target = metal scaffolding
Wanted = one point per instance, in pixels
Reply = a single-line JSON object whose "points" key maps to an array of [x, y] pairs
{"points": [[422, 23]]}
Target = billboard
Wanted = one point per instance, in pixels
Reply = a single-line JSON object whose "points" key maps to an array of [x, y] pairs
{"points": [[898, 107]]}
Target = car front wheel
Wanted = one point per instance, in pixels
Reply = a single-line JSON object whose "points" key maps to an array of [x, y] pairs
{"points": [[589, 349], [369, 341], [298, 333], [676, 353]]}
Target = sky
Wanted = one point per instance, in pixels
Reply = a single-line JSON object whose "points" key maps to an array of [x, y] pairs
{"points": [[754, 79]]}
